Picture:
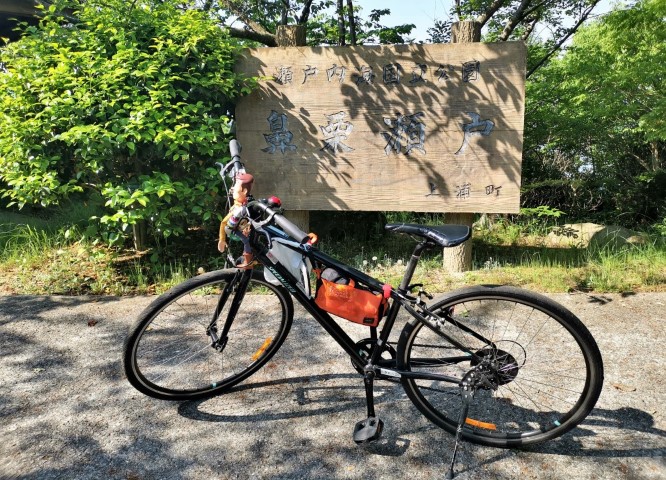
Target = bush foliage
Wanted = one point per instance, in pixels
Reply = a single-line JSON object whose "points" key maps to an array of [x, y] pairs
{"points": [[131, 101], [595, 135]]}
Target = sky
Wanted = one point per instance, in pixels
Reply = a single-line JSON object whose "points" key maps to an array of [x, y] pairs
{"points": [[423, 13]]}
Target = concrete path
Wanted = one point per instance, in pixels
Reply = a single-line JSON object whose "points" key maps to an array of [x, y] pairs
{"points": [[66, 411]]}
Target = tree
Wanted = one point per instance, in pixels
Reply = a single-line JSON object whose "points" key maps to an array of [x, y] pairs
{"points": [[595, 130], [132, 102], [503, 20], [260, 20]]}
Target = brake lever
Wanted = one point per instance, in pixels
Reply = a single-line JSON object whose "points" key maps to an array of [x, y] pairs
{"points": [[256, 224], [231, 165], [222, 168]]}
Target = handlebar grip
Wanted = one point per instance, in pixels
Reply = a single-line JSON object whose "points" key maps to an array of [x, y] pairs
{"points": [[234, 149], [291, 229]]}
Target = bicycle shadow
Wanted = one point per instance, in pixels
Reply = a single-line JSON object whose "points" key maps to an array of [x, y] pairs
{"points": [[625, 419], [576, 443], [314, 398], [329, 399], [606, 433]]}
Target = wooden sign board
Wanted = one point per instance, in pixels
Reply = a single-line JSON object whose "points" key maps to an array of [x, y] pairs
{"points": [[424, 128]]}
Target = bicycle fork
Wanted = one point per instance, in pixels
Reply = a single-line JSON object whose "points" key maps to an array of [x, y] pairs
{"points": [[239, 283]]}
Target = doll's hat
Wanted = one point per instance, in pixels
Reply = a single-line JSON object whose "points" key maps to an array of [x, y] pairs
{"points": [[245, 178]]}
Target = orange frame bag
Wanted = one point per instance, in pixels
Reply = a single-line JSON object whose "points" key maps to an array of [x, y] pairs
{"points": [[354, 304]]}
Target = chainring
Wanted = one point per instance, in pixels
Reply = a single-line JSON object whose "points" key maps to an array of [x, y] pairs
{"points": [[364, 348]]}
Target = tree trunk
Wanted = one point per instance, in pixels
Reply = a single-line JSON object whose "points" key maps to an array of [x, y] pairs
{"points": [[140, 233], [459, 259], [656, 158], [341, 23], [290, 35], [285, 12], [294, 36], [352, 22], [466, 32]]}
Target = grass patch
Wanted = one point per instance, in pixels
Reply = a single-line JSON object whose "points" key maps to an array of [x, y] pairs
{"points": [[520, 260], [631, 268], [42, 253], [68, 269], [46, 255], [527, 261]]}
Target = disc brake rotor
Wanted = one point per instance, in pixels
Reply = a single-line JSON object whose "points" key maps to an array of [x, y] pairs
{"points": [[498, 365]]}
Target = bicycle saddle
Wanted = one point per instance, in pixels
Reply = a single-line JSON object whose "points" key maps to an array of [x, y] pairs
{"points": [[444, 235]]}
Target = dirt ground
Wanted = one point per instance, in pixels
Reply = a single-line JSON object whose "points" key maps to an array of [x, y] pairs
{"points": [[66, 411]]}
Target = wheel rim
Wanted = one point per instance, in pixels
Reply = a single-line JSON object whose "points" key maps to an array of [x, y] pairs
{"points": [[540, 372], [175, 356]]}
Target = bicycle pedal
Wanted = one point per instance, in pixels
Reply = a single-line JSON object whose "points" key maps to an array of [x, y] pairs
{"points": [[368, 430]]}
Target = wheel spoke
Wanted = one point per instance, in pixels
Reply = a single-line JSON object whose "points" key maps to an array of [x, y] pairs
{"points": [[171, 356], [531, 372]]}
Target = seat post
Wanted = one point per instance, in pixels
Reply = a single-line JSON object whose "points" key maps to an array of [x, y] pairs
{"points": [[411, 266]]}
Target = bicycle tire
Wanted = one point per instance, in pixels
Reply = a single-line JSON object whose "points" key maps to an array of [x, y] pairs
{"points": [[168, 354], [548, 371]]}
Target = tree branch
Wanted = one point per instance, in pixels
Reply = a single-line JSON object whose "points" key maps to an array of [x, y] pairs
{"points": [[341, 23], [305, 13], [267, 39], [352, 22], [242, 16], [514, 20], [285, 12], [529, 29], [641, 161], [570, 32], [487, 15], [534, 8]]}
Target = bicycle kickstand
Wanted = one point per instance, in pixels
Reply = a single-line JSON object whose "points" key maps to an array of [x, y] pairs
{"points": [[467, 389], [371, 428]]}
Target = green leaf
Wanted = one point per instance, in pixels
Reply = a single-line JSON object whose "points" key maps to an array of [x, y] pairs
{"points": [[104, 106]]}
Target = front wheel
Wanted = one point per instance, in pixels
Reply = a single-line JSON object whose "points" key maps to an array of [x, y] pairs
{"points": [[171, 351], [541, 369]]}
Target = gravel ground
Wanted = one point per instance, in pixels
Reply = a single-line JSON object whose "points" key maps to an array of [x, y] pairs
{"points": [[66, 410]]}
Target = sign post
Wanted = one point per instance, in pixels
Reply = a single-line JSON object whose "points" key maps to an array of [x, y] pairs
{"points": [[459, 259]]}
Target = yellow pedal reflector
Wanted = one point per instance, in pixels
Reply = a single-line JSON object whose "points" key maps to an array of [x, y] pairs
{"points": [[476, 423], [262, 349]]}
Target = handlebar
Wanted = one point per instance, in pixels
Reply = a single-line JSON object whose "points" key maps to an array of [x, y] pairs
{"points": [[234, 150], [281, 221], [235, 166]]}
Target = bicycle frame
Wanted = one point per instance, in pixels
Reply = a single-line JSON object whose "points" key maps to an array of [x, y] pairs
{"points": [[400, 299]]}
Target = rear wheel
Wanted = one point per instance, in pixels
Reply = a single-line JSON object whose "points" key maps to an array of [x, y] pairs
{"points": [[539, 371], [170, 352]]}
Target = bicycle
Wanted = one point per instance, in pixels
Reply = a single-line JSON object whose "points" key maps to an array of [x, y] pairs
{"points": [[493, 365]]}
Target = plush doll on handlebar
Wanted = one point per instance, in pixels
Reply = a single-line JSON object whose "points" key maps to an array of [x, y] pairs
{"points": [[236, 222]]}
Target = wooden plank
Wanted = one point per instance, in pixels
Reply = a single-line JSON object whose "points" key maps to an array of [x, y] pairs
{"points": [[438, 128]]}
